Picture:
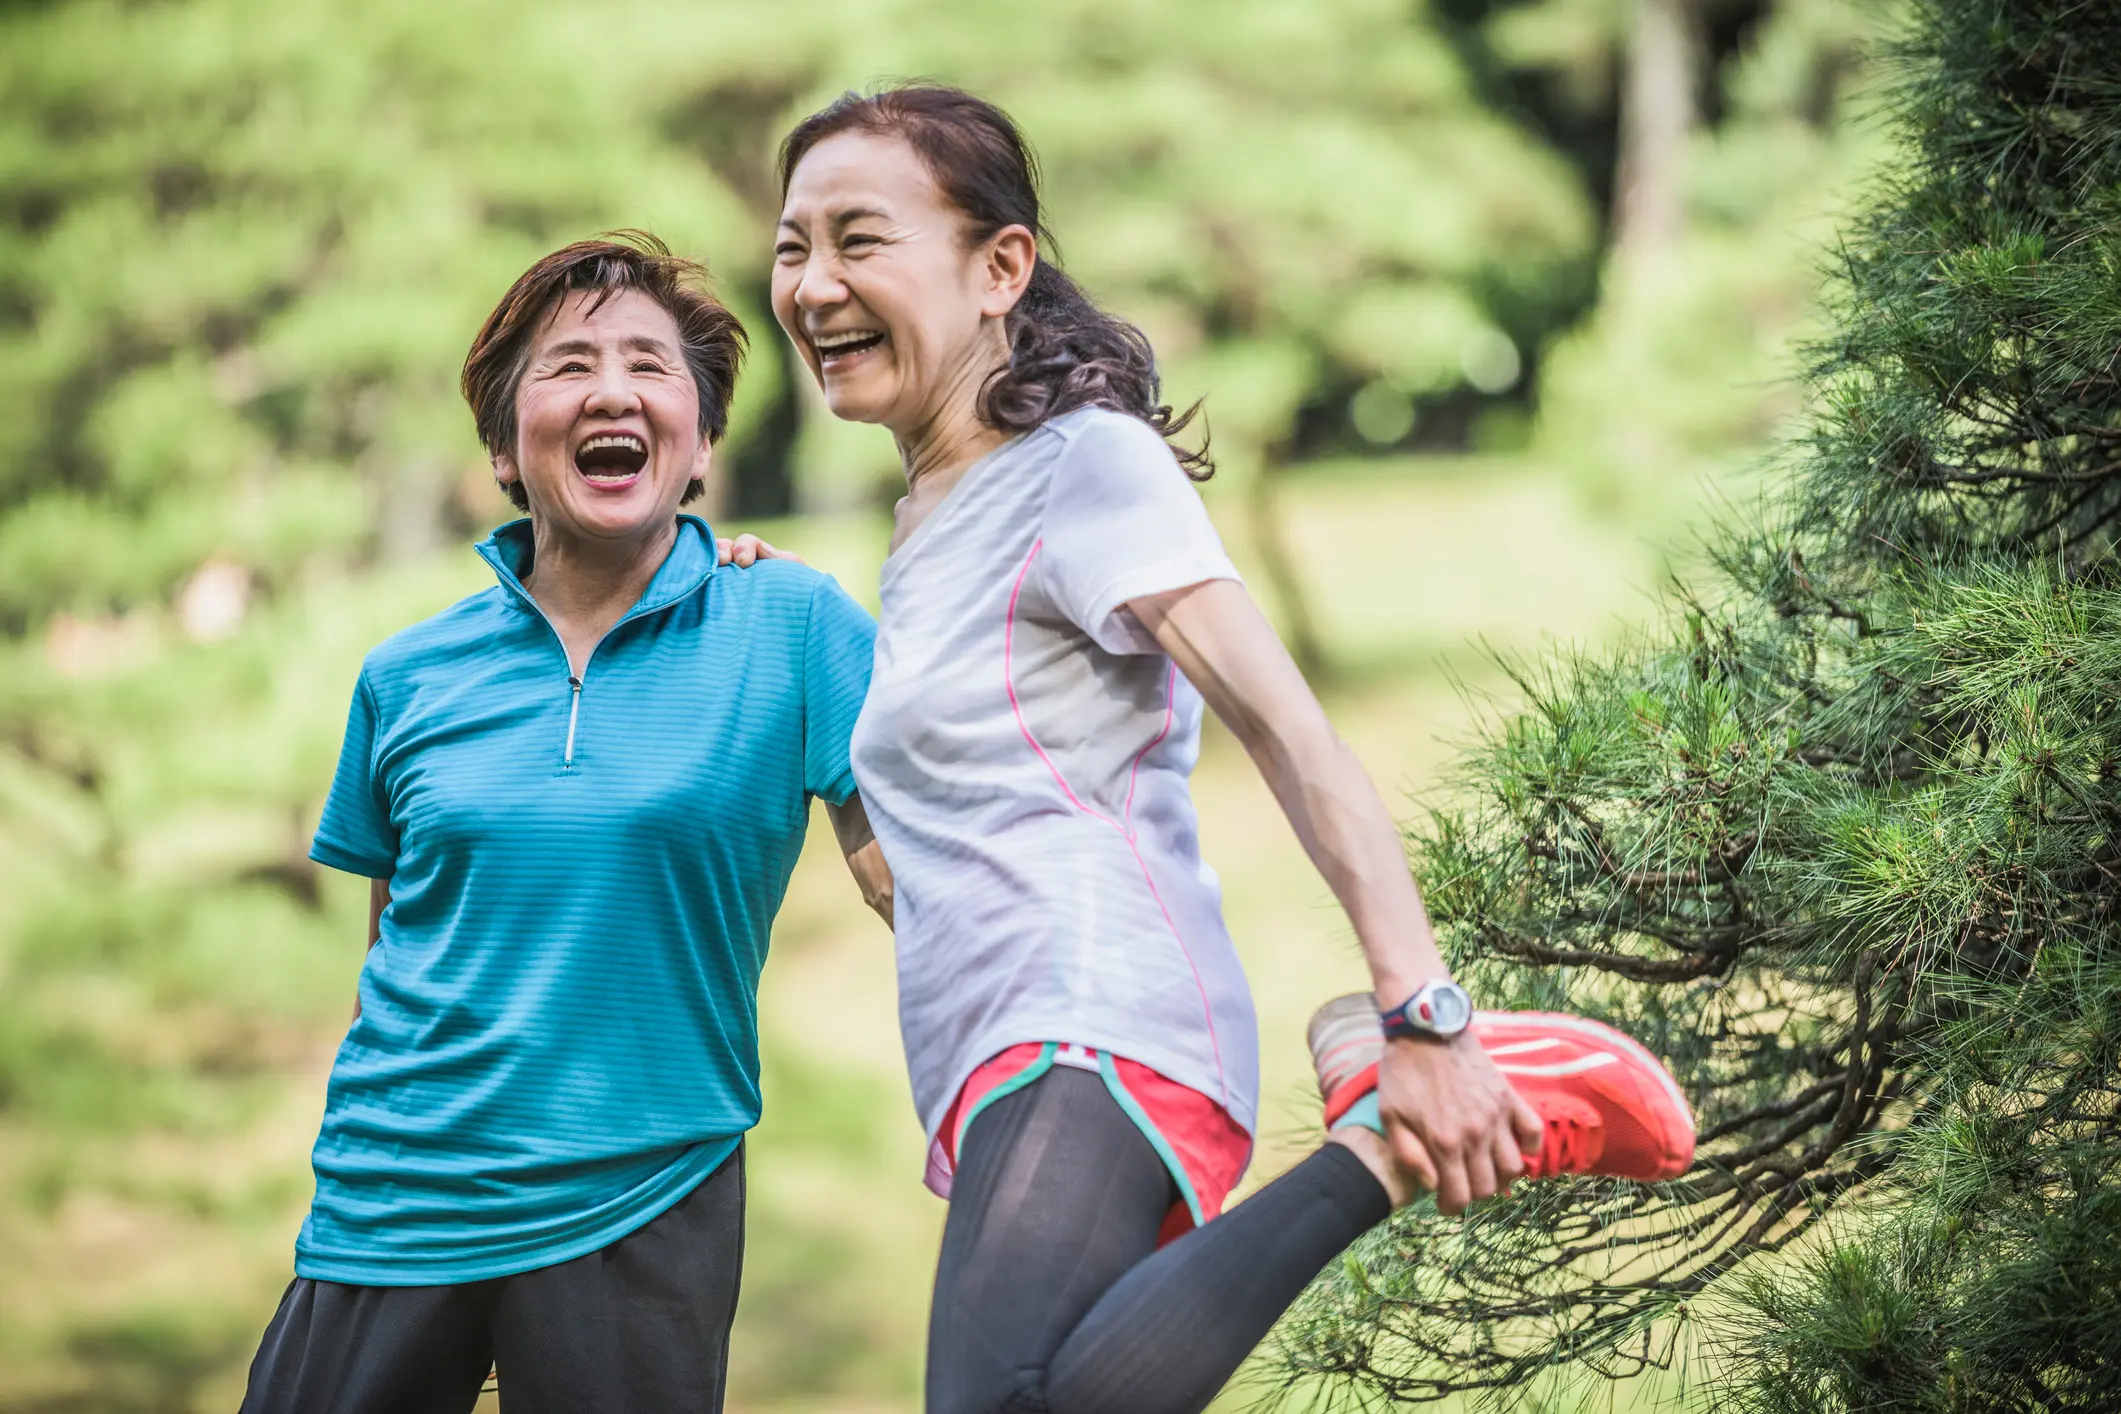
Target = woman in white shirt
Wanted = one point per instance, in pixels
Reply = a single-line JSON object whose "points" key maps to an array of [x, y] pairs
{"points": [[1056, 609]]}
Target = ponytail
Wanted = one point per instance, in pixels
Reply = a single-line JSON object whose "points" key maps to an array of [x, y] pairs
{"points": [[1064, 352]]}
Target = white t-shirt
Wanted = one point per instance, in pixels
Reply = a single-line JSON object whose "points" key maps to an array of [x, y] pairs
{"points": [[1023, 757]]}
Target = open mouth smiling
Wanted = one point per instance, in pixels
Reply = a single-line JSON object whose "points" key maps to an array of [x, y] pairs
{"points": [[611, 459], [836, 348]]}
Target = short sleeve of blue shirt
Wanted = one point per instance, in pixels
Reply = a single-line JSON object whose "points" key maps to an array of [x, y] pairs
{"points": [[355, 833], [838, 656]]}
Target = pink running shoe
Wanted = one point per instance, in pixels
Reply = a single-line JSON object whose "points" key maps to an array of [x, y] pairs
{"points": [[1609, 1107]]}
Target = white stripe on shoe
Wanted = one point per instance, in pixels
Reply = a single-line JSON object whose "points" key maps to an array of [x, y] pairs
{"points": [[1518, 1048], [1569, 1067], [1604, 1035]]}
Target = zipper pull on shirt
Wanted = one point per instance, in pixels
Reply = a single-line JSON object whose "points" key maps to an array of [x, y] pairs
{"points": [[574, 715]]}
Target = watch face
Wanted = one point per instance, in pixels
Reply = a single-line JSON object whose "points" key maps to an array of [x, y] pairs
{"points": [[1449, 1008]]}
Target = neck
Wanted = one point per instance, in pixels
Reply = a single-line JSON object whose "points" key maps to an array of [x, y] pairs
{"points": [[588, 581], [943, 454], [935, 451]]}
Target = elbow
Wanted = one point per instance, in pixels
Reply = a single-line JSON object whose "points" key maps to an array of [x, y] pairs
{"points": [[879, 896]]}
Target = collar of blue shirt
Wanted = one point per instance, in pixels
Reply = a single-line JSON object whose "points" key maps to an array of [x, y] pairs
{"points": [[691, 560]]}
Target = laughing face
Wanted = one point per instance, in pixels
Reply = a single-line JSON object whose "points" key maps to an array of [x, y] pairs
{"points": [[607, 421], [874, 282]]}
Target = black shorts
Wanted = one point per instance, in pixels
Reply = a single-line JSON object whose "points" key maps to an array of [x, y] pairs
{"points": [[640, 1325]]}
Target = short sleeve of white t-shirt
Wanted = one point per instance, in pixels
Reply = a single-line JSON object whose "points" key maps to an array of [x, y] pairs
{"points": [[1123, 520]]}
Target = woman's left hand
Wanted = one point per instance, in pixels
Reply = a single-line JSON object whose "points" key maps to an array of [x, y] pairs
{"points": [[746, 550]]}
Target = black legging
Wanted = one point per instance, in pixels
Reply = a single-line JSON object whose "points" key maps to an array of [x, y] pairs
{"points": [[1051, 1295]]}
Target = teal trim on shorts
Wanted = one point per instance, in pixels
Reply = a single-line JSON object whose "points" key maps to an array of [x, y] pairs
{"points": [[1014, 1083], [1147, 1126]]}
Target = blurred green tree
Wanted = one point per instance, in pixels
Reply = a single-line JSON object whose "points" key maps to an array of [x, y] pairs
{"points": [[1845, 845], [242, 248], [1301, 205], [1668, 392], [242, 244], [1297, 204]]}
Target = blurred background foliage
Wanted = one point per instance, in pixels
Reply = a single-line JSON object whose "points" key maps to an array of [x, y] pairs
{"points": [[1837, 839], [1487, 299]]}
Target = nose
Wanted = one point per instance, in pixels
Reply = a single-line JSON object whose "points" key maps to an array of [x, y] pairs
{"points": [[820, 286], [613, 393]]}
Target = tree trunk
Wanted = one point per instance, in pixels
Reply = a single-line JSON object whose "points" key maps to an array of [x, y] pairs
{"points": [[1306, 645], [1658, 113], [759, 480], [733, 125]]}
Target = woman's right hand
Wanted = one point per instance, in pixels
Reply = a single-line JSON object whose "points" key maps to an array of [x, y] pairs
{"points": [[1453, 1120]]}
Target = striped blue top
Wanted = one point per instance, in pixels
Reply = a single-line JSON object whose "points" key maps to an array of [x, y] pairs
{"points": [[558, 1031]]}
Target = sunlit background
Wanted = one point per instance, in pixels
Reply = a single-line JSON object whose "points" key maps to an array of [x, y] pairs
{"points": [[1491, 302]]}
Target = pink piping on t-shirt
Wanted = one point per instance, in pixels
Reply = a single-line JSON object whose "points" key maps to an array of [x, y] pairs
{"points": [[1126, 830]]}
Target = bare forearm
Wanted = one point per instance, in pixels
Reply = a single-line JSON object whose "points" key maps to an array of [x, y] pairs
{"points": [[1451, 1119], [378, 900], [1226, 648], [864, 856], [873, 877], [1350, 836]]}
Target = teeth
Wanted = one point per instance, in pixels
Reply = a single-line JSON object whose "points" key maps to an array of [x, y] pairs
{"points": [[827, 343], [624, 439]]}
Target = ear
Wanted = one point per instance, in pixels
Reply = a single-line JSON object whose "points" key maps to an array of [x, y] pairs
{"points": [[1012, 254], [702, 463], [505, 471]]}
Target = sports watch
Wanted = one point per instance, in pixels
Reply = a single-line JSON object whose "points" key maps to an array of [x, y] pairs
{"points": [[1437, 1012]]}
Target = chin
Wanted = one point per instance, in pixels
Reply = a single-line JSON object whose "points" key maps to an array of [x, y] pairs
{"points": [[617, 521], [855, 404]]}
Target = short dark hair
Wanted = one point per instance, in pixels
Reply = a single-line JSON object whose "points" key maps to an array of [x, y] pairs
{"points": [[1064, 352], [713, 339]]}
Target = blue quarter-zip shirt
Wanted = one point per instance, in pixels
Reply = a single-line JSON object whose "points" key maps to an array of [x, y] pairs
{"points": [[558, 1032]]}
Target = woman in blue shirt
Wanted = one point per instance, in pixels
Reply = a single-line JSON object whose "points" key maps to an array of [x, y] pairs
{"points": [[578, 796]]}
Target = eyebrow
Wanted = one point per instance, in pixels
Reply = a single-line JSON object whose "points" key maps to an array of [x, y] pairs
{"points": [[645, 342], [841, 219]]}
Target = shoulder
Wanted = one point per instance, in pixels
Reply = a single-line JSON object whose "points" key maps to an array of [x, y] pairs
{"points": [[777, 576], [1113, 462], [783, 587], [1103, 448], [464, 626], [1102, 432], [771, 585]]}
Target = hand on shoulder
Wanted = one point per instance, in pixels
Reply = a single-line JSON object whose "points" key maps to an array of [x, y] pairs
{"points": [[746, 550]]}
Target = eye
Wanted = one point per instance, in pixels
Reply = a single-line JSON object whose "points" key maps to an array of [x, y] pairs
{"points": [[788, 250], [855, 242], [573, 365], [648, 365]]}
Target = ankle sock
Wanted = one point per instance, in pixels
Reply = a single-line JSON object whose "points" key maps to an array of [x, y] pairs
{"points": [[1364, 1114]]}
